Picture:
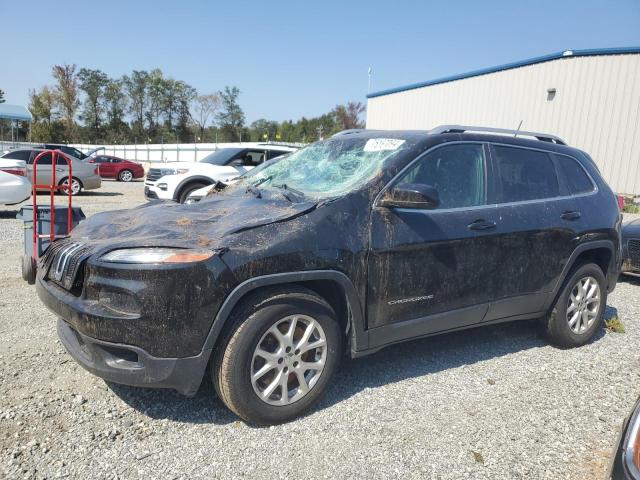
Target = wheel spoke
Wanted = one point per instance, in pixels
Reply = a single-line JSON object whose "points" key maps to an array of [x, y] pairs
{"points": [[317, 365], [271, 358], [275, 331], [266, 393], [312, 346], [284, 388], [267, 367], [291, 330], [302, 382], [306, 335], [575, 317]]}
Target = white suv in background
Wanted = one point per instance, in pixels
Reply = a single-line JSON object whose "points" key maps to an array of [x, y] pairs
{"points": [[176, 180]]}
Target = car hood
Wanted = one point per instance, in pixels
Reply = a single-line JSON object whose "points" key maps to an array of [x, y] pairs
{"points": [[631, 228], [173, 165], [207, 224]]}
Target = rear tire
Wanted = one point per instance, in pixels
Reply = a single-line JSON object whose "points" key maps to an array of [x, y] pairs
{"points": [[579, 309], [253, 357], [125, 176], [76, 186], [186, 191]]}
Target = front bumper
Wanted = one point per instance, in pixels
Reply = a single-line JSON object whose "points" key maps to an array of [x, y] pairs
{"points": [[131, 365], [153, 192]]}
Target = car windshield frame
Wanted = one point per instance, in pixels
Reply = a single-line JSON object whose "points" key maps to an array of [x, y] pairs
{"points": [[330, 168], [222, 156]]}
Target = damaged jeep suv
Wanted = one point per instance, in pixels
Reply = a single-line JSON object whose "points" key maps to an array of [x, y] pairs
{"points": [[360, 241]]}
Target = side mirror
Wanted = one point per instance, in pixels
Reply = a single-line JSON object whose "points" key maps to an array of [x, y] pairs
{"points": [[238, 162], [411, 195]]}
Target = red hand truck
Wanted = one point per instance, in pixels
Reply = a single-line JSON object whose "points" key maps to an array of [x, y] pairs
{"points": [[30, 264]]}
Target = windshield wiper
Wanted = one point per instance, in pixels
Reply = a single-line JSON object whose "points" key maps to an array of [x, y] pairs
{"points": [[285, 188]]}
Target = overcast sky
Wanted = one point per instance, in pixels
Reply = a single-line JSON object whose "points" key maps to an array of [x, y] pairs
{"points": [[297, 58]]}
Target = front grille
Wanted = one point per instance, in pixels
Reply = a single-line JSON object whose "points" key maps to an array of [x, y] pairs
{"points": [[154, 174], [633, 246], [62, 262]]}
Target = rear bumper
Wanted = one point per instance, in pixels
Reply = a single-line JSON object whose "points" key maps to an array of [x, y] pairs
{"points": [[91, 183], [129, 365]]}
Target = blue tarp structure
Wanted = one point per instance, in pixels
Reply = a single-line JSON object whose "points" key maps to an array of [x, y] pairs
{"points": [[14, 112]]}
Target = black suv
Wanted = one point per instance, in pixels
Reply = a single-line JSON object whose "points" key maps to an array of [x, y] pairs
{"points": [[351, 244]]}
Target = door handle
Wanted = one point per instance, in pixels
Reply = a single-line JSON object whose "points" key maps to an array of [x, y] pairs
{"points": [[481, 224], [570, 215]]}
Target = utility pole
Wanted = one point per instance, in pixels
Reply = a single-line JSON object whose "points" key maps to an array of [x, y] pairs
{"points": [[369, 73]]}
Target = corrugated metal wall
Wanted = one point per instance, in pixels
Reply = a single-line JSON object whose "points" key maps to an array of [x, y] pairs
{"points": [[596, 108]]}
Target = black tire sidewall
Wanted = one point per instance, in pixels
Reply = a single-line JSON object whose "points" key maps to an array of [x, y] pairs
{"points": [[561, 327], [253, 408], [184, 194]]}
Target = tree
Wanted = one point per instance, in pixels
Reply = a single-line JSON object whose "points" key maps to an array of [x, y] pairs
{"points": [[184, 96], [205, 108], [93, 83], [136, 87], [348, 117], [2, 100], [67, 96], [231, 116], [46, 127], [116, 103]]}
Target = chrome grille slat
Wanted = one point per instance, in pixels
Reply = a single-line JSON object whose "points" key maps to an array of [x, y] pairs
{"points": [[63, 260]]}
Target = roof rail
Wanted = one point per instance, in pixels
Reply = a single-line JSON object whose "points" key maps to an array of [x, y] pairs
{"points": [[348, 132], [544, 137]]}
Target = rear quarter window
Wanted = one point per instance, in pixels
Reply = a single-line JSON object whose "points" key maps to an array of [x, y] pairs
{"points": [[573, 175]]}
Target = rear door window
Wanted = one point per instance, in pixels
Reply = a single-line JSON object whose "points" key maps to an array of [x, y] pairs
{"points": [[523, 174], [18, 155], [574, 176]]}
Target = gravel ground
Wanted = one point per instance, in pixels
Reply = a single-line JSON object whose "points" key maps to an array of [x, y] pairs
{"points": [[496, 402]]}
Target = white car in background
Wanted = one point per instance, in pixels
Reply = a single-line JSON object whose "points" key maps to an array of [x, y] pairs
{"points": [[15, 187], [197, 195], [177, 180]]}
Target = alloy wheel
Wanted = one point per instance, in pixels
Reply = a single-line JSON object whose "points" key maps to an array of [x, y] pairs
{"points": [[288, 360], [126, 176], [75, 186], [583, 305]]}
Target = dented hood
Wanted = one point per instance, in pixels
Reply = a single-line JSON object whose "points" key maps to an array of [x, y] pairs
{"points": [[205, 224]]}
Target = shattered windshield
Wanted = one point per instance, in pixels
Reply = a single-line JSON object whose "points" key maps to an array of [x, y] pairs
{"points": [[329, 168]]}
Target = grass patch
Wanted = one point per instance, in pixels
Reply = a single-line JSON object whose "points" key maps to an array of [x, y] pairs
{"points": [[631, 208], [614, 325]]}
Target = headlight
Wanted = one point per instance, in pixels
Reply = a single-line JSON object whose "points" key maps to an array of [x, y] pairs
{"points": [[173, 171], [156, 255]]}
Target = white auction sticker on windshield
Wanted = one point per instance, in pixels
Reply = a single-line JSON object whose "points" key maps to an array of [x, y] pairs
{"points": [[382, 144]]}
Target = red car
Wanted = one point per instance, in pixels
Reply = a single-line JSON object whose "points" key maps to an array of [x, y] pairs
{"points": [[118, 168]]}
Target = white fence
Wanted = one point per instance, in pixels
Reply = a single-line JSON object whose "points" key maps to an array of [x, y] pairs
{"points": [[144, 153]]}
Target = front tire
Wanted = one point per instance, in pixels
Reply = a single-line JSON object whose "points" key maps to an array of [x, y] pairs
{"points": [[579, 310], [278, 357], [186, 191]]}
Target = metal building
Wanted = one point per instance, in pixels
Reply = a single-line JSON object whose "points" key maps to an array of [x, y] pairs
{"points": [[589, 98]]}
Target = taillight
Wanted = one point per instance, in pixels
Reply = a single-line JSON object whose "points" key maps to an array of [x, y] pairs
{"points": [[21, 172], [620, 200]]}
